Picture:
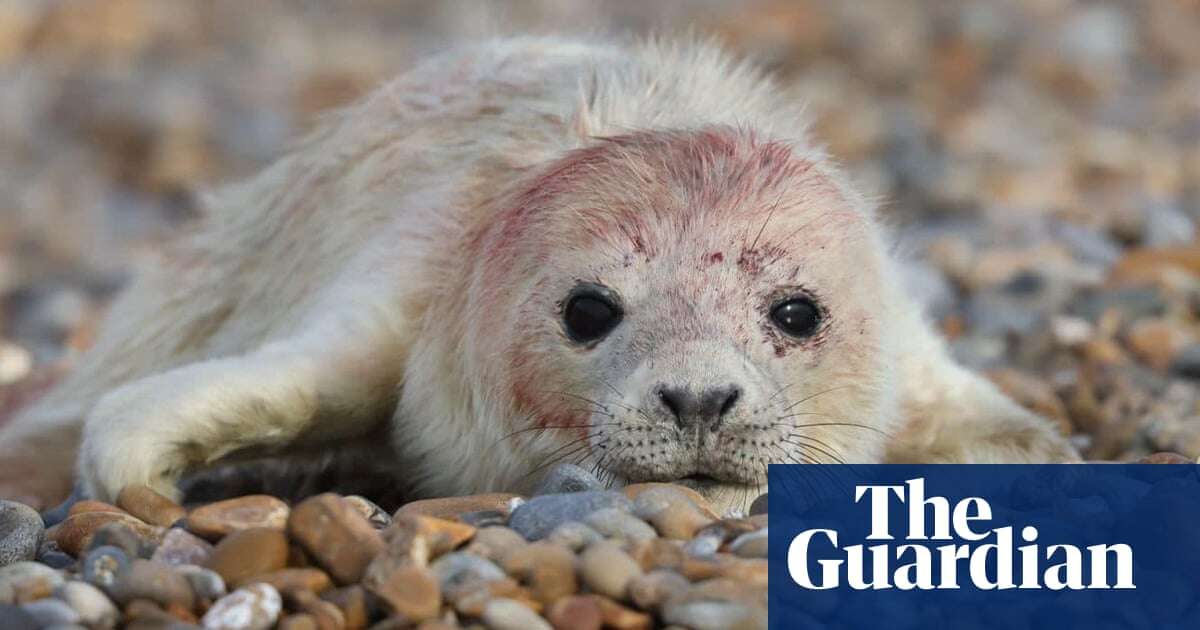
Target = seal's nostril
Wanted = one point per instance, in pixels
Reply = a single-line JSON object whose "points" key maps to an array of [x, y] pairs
{"points": [[672, 399], [730, 400]]}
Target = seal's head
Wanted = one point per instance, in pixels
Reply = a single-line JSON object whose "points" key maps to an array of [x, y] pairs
{"points": [[686, 306]]}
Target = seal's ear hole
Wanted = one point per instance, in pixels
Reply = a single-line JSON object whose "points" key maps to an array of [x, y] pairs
{"points": [[591, 312], [797, 316]]}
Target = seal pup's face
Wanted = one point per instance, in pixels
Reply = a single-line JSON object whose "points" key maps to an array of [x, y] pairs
{"points": [[692, 307]]}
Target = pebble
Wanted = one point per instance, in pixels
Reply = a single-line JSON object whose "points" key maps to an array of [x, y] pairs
{"points": [[565, 478], [248, 553], [92, 606], [303, 579], [412, 592], [75, 534], [616, 523], [26, 581], [574, 535], [254, 607], [158, 583], [103, 565], [219, 519], [702, 546], [619, 617], [751, 545], [374, 514], [357, 606], [673, 513], [89, 505], [180, 546], [206, 584], [575, 613], [651, 590], [16, 618], [121, 536], [607, 569], [324, 613], [548, 570], [509, 614], [1186, 362], [458, 572], [451, 507], [759, 506], [538, 516], [713, 615], [52, 612], [21, 531], [495, 542], [336, 535], [145, 503]]}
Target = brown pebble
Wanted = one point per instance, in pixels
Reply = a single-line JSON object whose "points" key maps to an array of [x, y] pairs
{"points": [[249, 553], [177, 611], [150, 506], [619, 617], [180, 546], [325, 614], [633, 490], [302, 621], [450, 507], [548, 569], [607, 569], [88, 505], [219, 519], [1165, 458], [412, 592], [336, 536], [75, 534], [575, 613], [353, 602], [306, 579], [651, 590]]}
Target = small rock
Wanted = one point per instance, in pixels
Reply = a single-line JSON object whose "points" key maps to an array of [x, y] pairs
{"points": [[714, 615], [575, 613], [302, 621], [673, 513], [484, 518], [458, 571], [324, 613], [633, 491], [207, 585], [88, 505], [254, 607], [1158, 341], [702, 545], [538, 516], [103, 565], [156, 582], [574, 535], [495, 542], [619, 617], [180, 546], [307, 579], [26, 581], [1033, 394], [219, 519], [247, 553], [94, 608], [373, 513], [509, 614], [1071, 332], [150, 506], [52, 612], [21, 532], [607, 569], [565, 478], [412, 592], [1186, 362], [75, 534], [15, 618], [752, 545], [123, 537], [450, 507], [615, 523], [55, 559], [651, 590], [1165, 458], [339, 538], [354, 602], [548, 569]]}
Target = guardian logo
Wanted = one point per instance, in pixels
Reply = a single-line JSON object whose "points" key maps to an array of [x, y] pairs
{"points": [[910, 566], [984, 546]]}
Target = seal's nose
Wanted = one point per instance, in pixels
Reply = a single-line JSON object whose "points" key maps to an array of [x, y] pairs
{"points": [[705, 409]]}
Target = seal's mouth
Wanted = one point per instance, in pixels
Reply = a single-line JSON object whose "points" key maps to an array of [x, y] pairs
{"points": [[699, 481]]}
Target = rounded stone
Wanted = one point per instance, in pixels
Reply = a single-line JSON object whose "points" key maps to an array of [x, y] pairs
{"points": [[180, 547], [247, 553], [411, 592], [503, 613], [494, 543], [123, 537], [158, 583], [296, 579], [15, 618], [615, 523], [253, 607], [651, 590], [548, 569], [26, 581], [338, 537], [459, 571], [52, 612], [574, 535], [219, 519], [374, 514], [575, 613], [672, 512], [150, 506], [103, 565], [206, 584], [21, 532], [75, 534], [759, 506], [565, 478], [538, 516], [751, 545], [451, 507], [607, 569], [94, 608]]}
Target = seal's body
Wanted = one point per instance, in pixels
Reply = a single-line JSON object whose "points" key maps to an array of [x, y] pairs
{"points": [[522, 252]]}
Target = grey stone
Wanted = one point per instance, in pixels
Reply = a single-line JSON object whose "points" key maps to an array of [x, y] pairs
{"points": [[565, 478], [180, 547], [751, 545], [21, 532], [16, 618], [20, 578], [508, 614], [102, 566], [52, 612], [1133, 303], [94, 608], [759, 506], [459, 571], [1187, 362], [617, 523], [206, 584], [538, 516], [574, 535]]}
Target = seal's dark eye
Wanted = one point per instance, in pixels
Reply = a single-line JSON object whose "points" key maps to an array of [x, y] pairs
{"points": [[798, 317], [590, 316]]}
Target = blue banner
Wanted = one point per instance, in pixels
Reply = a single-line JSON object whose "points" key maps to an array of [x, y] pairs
{"points": [[1054, 547]]}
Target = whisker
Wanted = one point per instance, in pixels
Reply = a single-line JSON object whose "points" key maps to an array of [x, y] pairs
{"points": [[820, 393]]}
